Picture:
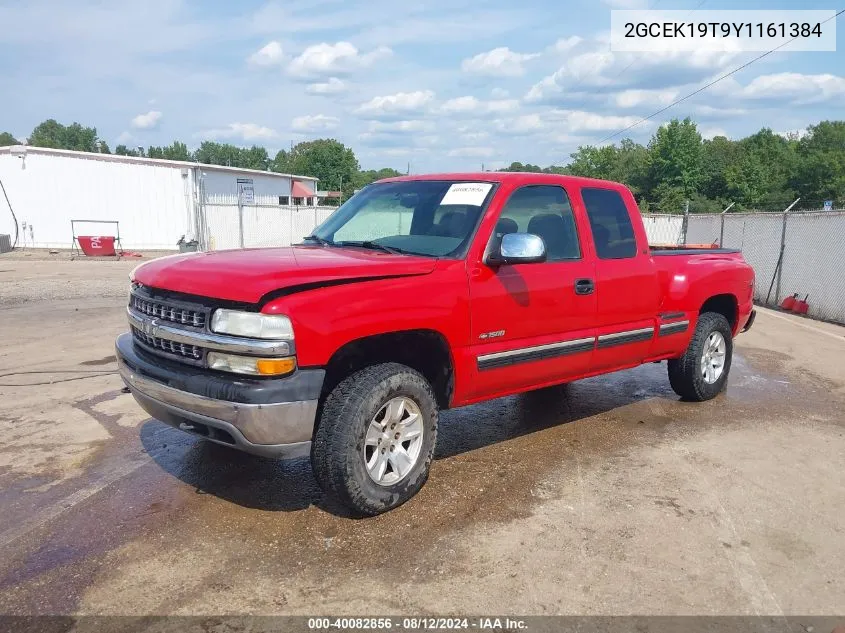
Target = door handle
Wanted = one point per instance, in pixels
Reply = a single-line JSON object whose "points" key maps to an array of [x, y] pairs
{"points": [[584, 286]]}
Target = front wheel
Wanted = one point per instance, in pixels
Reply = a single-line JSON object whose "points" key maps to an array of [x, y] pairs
{"points": [[375, 440], [702, 372]]}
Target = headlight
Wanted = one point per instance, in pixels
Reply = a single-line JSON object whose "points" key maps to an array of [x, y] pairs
{"points": [[252, 324], [251, 365]]}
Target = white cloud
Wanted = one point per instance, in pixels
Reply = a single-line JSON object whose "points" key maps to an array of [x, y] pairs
{"points": [[270, 55], [627, 4], [314, 123], [500, 62], [607, 71], [712, 112], [795, 87], [499, 93], [394, 105], [245, 131], [400, 127], [124, 138], [333, 59], [635, 98], [580, 121], [331, 86], [470, 105], [526, 123], [147, 121], [565, 44], [471, 152], [562, 123], [710, 133]]}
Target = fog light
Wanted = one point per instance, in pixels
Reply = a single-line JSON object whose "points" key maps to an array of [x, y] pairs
{"points": [[251, 365]]}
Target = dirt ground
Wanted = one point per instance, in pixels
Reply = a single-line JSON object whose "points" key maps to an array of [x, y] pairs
{"points": [[607, 496]]}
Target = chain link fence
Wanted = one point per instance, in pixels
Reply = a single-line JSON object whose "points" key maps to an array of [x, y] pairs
{"points": [[791, 252]]}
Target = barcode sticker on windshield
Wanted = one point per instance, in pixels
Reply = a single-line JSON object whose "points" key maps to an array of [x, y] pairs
{"points": [[469, 193]]}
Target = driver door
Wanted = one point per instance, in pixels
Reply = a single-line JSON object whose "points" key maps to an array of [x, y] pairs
{"points": [[534, 324]]}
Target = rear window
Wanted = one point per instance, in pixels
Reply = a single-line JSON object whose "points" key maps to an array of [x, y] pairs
{"points": [[610, 223]]}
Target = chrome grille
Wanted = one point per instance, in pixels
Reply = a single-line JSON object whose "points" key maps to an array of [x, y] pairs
{"points": [[174, 314], [182, 350]]}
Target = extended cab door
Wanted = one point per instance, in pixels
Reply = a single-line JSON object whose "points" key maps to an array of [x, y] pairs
{"points": [[533, 324], [626, 278]]}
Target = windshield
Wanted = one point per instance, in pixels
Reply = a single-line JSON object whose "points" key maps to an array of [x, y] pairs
{"points": [[436, 218]]}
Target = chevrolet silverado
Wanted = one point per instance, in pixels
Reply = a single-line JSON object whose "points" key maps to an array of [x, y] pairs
{"points": [[419, 294]]}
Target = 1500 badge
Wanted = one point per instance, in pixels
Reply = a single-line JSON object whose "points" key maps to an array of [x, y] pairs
{"points": [[496, 334]]}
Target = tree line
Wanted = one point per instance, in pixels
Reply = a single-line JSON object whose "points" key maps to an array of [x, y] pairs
{"points": [[763, 171]]}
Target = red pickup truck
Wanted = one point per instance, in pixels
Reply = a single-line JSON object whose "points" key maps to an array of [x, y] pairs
{"points": [[419, 294]]}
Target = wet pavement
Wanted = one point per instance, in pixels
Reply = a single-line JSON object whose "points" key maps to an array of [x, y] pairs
{"points": [[606, 496]]}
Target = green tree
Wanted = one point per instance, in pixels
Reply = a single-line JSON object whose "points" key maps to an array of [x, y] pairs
{"points": [[519, 167], [7, 139], [718, 156], [327, 159], [174, 151], [675, 168], [122, 150], [51, 133], [820, 172], [593, 162]]}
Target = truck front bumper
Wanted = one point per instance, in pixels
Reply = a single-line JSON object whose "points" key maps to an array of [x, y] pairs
{"points": [[268, 417]]}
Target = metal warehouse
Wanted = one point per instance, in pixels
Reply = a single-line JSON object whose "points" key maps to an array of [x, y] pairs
{"points": [[154, 202]]}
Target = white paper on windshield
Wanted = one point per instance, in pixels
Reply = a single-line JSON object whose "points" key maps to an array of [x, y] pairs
{"points": [[469, 193]]}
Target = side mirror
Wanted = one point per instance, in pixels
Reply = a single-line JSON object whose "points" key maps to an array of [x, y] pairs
{"points": [[519, 248]]}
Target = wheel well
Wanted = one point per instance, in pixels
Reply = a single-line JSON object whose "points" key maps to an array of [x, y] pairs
{"points": [[726, 305], [424, 350]]}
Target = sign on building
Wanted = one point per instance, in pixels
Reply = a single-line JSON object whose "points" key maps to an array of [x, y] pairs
{"points": [[246, 192]]}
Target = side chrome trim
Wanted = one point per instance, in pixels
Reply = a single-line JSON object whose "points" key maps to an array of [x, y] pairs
{"points": [[676, 327], [623, 338], [218, 342], [535, 352], [668, 316]]}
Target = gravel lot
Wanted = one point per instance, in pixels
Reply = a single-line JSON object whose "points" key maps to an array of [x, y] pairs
{"points": [[607, 496]]}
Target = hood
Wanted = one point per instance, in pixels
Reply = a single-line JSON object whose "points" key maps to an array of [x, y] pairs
{"points": [[247, 275]]}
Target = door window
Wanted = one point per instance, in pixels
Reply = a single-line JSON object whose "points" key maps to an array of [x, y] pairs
{"points": [[610, 222], [543, 210]]}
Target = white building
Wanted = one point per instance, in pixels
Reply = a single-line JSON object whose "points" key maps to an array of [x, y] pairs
{"points": [[156, 202]]}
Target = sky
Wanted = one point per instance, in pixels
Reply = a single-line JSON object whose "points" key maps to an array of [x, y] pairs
{"points": [[440, 85]]}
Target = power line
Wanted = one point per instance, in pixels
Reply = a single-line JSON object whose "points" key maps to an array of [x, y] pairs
{"points": [[705, 87]]}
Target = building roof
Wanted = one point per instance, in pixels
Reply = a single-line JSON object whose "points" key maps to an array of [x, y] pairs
{"points": [[117, 158]]}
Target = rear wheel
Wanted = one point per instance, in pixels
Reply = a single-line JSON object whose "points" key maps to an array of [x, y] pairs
{"points": [[702, 372], [375, 440]]}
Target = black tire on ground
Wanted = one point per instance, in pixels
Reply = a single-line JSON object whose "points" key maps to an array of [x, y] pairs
{"points": [[338, 449], [685, 374]]}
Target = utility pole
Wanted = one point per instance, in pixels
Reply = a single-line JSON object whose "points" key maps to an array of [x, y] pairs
{"points": [[341, 188]]}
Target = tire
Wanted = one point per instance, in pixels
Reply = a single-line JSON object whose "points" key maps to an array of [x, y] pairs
{"points": [[342, 446], [686, 374]]}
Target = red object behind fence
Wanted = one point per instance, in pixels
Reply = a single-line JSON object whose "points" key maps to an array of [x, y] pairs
{"points": [[97, 245], [801, 306], [789, 302]]}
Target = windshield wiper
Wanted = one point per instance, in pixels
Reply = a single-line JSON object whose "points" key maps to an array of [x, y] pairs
{"points": [[374, 246], [321, 241]]}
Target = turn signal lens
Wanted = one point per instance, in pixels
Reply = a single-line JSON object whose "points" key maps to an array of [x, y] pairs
{"points": [[251, 365], [275, 366]]}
